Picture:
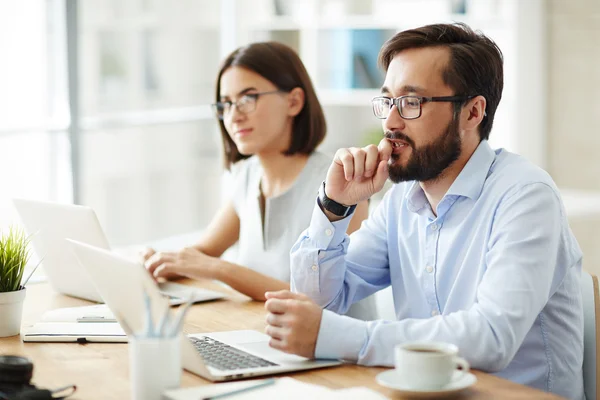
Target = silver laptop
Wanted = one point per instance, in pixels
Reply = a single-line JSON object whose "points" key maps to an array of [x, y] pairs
{"points": [[51, 223], [221, 356]]}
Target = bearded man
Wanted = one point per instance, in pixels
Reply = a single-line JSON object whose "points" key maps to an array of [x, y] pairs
{"points": [[473, 241]]}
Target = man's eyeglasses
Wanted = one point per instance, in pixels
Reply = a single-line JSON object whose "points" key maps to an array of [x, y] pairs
{"points": [[246, 104], [409, 107]]}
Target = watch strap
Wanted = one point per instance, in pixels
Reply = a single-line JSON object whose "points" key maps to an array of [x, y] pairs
{"points": [[333, 206]]}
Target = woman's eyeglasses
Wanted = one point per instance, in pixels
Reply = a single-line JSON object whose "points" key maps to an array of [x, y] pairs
{"points": [[246, 104]]}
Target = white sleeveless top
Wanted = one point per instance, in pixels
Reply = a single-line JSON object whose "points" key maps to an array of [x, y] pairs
{"points": [[286, 217]]}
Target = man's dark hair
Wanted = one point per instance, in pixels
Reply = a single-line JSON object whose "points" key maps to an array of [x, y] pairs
{"points": [[475, 66]]}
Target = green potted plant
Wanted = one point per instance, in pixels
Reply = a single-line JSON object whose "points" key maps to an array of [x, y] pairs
{"points": [[14, 255]]}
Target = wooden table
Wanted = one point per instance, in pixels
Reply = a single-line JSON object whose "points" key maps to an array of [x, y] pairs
{"points": [[100, 370]]}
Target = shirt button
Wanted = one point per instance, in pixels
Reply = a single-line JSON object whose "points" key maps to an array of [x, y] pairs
{"points": [[434, 313], [314, 268], [434, 227], [321, 255], [328, 232], [429, 269]]}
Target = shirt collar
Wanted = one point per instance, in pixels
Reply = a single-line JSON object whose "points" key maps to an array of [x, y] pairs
{"points": [[468, 183], [415, 197]]}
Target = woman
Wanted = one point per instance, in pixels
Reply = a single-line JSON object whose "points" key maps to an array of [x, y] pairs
{"points": [[271, 122]]}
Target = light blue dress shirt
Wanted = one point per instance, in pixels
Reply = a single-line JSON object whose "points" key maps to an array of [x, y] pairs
{"points": [[496, 272]]}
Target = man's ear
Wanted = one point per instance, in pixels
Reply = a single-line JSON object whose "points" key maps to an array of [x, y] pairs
{"points": [[473, 113], [296, 100]]}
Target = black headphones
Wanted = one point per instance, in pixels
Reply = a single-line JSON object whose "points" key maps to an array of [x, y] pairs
{"points": [[15, 378]]}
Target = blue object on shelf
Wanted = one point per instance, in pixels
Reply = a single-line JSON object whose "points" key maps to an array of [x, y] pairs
{"points": [[352, 58], [365, 49]]}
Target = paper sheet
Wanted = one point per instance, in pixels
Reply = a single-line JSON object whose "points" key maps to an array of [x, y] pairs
{"points": [[284, 388]]}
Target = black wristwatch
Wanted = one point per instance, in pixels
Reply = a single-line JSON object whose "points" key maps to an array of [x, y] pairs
{"points": [[333, 206]]}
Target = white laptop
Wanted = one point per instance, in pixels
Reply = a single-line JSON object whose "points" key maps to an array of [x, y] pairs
{"points": [[51, 223], [221, 356]]}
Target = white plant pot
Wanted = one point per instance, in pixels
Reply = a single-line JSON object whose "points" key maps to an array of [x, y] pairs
{"points": [[11, 310]]}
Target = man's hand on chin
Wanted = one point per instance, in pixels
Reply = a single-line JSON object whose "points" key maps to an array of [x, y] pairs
{"points": [[293, 322]]}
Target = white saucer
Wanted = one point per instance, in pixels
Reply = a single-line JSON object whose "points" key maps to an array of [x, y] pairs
{"points": [[457, 384]]}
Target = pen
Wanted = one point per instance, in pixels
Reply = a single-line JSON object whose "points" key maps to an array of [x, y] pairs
{"points": [[91, 318], [149, 325], [178, 322], [164, 320], [248, 388]]}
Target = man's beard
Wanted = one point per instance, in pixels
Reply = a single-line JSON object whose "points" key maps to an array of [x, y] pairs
{"points": [[428, 162]]}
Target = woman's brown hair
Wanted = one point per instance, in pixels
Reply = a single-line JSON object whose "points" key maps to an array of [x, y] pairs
{"points": [[280, 65]]}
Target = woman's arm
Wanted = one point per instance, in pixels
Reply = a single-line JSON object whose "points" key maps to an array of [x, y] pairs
{"points": [[222, 232], [247, 281], [201, 261], [217, 239], [192, 263], [255, 284]]}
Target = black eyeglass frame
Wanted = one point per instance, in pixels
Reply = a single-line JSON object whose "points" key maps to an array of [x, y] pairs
{"points": [[395, 101], [220, 104]]}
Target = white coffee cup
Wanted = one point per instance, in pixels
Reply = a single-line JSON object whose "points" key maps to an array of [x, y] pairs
{"points": [[428, 365], [154, 366]]}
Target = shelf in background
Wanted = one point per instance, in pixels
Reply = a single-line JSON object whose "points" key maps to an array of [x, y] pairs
{"points": [[348, 97], [137, 24], [286, 23], [277, 23], [163, 116]]}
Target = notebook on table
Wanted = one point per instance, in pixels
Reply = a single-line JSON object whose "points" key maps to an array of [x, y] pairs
{"points": [[80, 332], [95, 323]]}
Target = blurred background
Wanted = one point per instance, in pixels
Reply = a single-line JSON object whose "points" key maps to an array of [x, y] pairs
{"points": [[107, 102]]}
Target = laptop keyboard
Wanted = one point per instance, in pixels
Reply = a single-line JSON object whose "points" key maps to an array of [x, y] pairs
{"points": [[226, 358]]}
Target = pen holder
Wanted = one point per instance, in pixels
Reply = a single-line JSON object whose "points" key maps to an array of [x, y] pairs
{"points": [[154, 366]]}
